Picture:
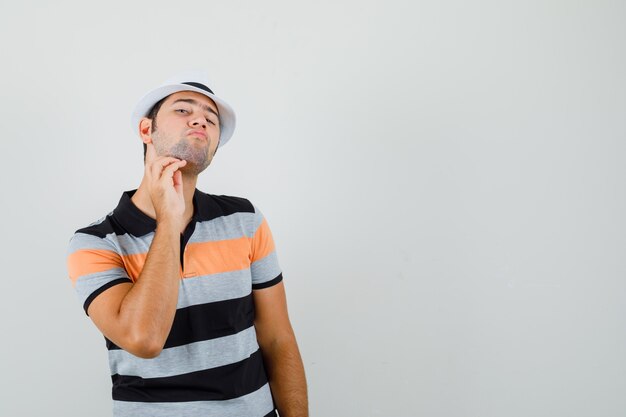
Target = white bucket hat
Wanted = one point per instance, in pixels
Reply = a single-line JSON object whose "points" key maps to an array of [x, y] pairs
{"points": [[187, 81]]}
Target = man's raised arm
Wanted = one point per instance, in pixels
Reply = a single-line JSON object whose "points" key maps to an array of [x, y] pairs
{"points": [[138, 317]]}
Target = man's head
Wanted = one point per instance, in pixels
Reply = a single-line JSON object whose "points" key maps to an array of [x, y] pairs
{"points": [[184, 125], [186, 89]]}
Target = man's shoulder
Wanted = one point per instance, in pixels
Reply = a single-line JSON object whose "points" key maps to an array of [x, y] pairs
{"points": [[100, 228], [95, 236], [225, 204]]}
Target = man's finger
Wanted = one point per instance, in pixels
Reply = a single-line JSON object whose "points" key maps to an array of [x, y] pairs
{"points": [[169, 170], [156, 166]]}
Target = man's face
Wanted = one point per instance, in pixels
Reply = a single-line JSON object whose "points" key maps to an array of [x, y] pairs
{"points": [[187, 127]]}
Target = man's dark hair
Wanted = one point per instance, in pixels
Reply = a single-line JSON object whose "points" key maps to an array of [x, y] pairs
{"points": [[152, 114]]}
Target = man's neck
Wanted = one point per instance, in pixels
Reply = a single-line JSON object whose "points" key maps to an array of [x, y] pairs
{"points": [[141, 198]]}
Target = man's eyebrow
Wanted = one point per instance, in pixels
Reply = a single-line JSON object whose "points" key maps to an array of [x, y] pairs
{"points": [[192, 101]]}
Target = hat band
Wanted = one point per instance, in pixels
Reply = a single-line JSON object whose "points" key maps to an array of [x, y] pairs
{"points": [[200, 86]]}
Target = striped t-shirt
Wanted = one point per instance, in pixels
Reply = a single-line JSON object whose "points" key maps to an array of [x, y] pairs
{"points": [[211, 364]]}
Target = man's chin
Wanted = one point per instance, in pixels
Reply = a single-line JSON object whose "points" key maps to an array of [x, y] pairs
{"points": [[193, 168]]}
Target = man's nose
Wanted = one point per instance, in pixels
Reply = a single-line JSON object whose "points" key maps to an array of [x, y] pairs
{"points": [[198, 121]]}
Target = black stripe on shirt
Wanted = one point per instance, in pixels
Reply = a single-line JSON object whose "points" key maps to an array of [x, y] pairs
{"points": [[208, 321], [106, 227], [269, 283], [127, 218], [221, 383]]}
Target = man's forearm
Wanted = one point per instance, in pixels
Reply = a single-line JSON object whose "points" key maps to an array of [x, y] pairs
{"points": [[149, 307], [287, 378]]}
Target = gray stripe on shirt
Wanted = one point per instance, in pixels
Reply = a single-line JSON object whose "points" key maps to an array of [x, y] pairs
{"points": [[214, 287], [87, 284], [192, 357], [233, 226], [265, 269]]}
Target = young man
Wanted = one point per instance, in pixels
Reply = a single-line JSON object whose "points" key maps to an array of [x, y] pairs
{"points": [[185, 286]]}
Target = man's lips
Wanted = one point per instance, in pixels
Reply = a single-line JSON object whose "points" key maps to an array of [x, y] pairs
{"points": [[197, 133]]}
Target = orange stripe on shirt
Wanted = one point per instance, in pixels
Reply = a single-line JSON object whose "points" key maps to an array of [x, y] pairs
{"points": [[134, 264], [262, 242], [204, 258], [89, 261]]}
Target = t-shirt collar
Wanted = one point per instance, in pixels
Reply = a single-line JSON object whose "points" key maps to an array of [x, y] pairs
{"points": [[137, 222]]}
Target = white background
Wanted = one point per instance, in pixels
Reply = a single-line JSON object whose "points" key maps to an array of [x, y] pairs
{"points": [[444, 181]]}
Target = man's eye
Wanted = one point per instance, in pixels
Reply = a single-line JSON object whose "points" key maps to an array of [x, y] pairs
{"points": [[210, 121], [181, 110]]}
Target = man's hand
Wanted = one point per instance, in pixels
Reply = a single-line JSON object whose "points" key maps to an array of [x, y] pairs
{"points": [[165, 185]]}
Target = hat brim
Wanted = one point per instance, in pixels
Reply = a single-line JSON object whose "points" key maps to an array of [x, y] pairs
{"points": [[226, 114]]}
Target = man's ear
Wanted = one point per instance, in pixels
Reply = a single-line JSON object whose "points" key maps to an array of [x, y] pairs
{"points": [[145, 130]]}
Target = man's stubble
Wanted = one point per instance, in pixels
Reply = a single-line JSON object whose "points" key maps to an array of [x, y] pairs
{"points": [[197, 157]]}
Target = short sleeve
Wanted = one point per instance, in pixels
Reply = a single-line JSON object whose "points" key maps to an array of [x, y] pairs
{"points": [[94, 265], [264, 265]]}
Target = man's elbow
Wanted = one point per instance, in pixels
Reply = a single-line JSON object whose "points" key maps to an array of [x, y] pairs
{"points": [[269, 343], [145, 352], [142, 346]]}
